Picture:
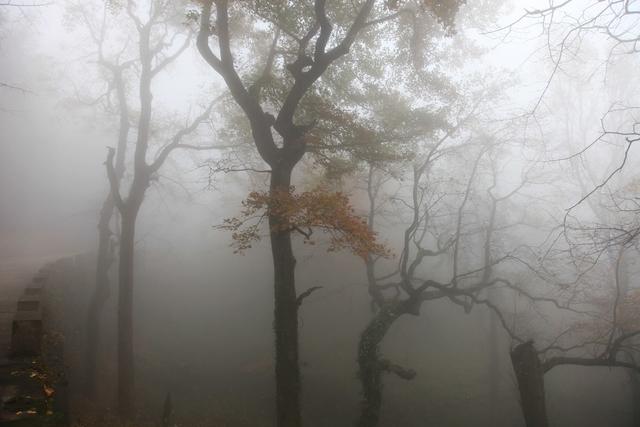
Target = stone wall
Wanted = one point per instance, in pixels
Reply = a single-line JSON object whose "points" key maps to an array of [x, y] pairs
{"points": [[33, 377]]}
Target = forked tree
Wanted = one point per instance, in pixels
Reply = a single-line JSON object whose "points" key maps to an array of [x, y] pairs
{"points": [[444, 218], [113, 64], [161, 39], [308, 40]]}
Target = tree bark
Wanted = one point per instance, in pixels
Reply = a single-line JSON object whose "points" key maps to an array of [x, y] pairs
{"points": [[129, 213], [635, 397], [105, 250], [370, 367], [530, 378], [285, 313], [282, 161], [494, 366], [99, 297], [125, 316]]}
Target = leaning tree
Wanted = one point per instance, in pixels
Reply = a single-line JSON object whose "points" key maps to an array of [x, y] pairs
{"points": [[457, 203]]}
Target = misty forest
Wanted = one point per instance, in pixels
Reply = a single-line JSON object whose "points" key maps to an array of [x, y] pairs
{"points": [[319, 213]]}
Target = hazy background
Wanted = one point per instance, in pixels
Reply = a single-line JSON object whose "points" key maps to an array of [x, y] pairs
{"points": [[203, 313]]}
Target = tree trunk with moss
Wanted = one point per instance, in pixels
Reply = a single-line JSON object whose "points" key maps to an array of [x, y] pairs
{"points": [[530, 378], [285, 312], [370, 366]]}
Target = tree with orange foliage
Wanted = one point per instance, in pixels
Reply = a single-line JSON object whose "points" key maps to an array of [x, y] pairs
{"points": [[318, 209], [294, 53]]}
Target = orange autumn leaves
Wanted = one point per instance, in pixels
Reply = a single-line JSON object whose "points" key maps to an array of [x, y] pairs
{"points": [[318, 209]]}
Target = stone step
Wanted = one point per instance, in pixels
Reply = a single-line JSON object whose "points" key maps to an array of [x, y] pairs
{"points": [[28, 303], [26, 333]]}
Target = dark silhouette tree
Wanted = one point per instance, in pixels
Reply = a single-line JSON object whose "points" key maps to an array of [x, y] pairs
{"points": [[161, 39], [112, 69], [440, 225], [594, 299], [307, 41]]}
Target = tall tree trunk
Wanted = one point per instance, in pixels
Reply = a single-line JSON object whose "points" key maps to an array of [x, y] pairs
{"points": [[623, 280], [494, 372], [99, 297], [370, 367], [285, 313], [125, 316], [129, 212], [530, 377], [635, 397], [101, 291], [494, 364]]}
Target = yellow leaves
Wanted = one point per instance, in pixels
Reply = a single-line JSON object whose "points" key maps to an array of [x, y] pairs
{"points": [[303, 212]]}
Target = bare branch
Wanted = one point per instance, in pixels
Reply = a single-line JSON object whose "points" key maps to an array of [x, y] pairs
{"points": [[177, 138], [114, 182], [404, 373], [306, 293]]}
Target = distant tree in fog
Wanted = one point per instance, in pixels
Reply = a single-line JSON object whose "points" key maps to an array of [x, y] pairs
{"points": [[9, 9], [595, 236], [609, 30], [113, 64], [603, 333], [582, 278], [456, 204], [566, 24], [160, 38]]}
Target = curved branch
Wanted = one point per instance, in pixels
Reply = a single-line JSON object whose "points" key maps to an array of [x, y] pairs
{"points": [[404, 373], [305, 294], [113, 179]]}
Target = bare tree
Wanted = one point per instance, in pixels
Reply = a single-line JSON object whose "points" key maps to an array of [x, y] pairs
{"points": [[441, 227], [112, 69], [569, 28], [160, 42], [602, 329]]}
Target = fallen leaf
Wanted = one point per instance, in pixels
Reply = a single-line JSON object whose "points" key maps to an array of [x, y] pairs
{"points": [[48, 391]]}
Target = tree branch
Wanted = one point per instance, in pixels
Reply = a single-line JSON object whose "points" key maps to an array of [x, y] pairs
{"points": [[177, 138], [113, 179], [260, 123], [305, 294], [404, 373], [551, 363], [170, 58]]}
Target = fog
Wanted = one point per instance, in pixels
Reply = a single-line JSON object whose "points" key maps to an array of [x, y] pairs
{"points": [[324, 213]]}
